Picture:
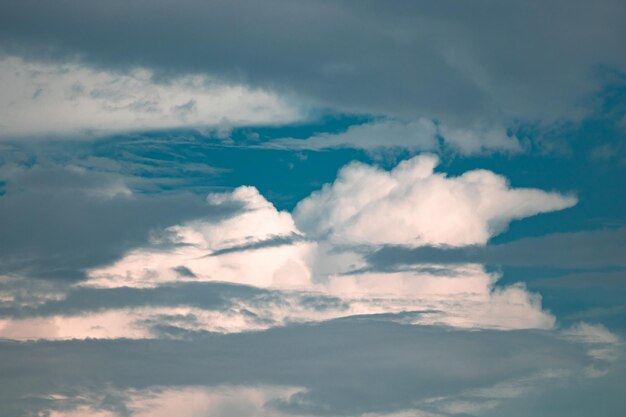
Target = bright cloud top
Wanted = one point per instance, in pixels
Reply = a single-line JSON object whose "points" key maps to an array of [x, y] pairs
{"points": [[45, 99], [413, 205]]}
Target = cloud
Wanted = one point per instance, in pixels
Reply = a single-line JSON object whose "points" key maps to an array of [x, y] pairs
{"points": [[262, 247], [205, 248], [417, 135], [603, 343], [576, 396], [413, 205], [59, 100], [463, 297], [57, 221], [291, 324], [237, 401], [591, 249], [480, 139], [245, 240], [435, 59], [347, 367]]}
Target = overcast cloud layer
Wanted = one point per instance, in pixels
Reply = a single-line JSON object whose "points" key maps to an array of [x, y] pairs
{"points": [[458, 62]]}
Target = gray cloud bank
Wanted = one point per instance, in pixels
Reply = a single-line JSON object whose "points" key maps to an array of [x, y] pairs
{"points": [[348, 367], [57, 221], [458, 61], [584, 250]]}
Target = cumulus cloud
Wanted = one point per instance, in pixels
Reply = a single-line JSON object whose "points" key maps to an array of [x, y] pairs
{"points": [[309, 277], [413, 205], [47, 99], [263, 247]]}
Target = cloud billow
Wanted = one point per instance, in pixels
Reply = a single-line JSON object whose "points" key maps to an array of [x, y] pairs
{"points": [[316, 254], [415, 206]]}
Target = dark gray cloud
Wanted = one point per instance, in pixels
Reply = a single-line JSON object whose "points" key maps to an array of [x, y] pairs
{"points": [[348, 366], [58, 221], [458, 61], [586, 250]]}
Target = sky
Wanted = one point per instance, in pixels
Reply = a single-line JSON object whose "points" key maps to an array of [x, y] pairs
{"points": [[312, 208]]}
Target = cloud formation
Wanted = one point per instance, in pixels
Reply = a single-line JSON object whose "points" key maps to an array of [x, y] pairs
{"points": [[58, 221], [311, 278], [334, 365], [591, 250], [417, 135], [445, 60], [415, 206], [42, 99], [194, 245]]}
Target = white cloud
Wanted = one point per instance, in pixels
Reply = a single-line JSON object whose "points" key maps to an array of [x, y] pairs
{"points": [[413, 205], [45, 99], [464, 296]]}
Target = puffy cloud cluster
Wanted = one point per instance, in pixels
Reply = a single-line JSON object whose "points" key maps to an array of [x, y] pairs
{"points": [[310, 277], [311, 264], [413, 205]]}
